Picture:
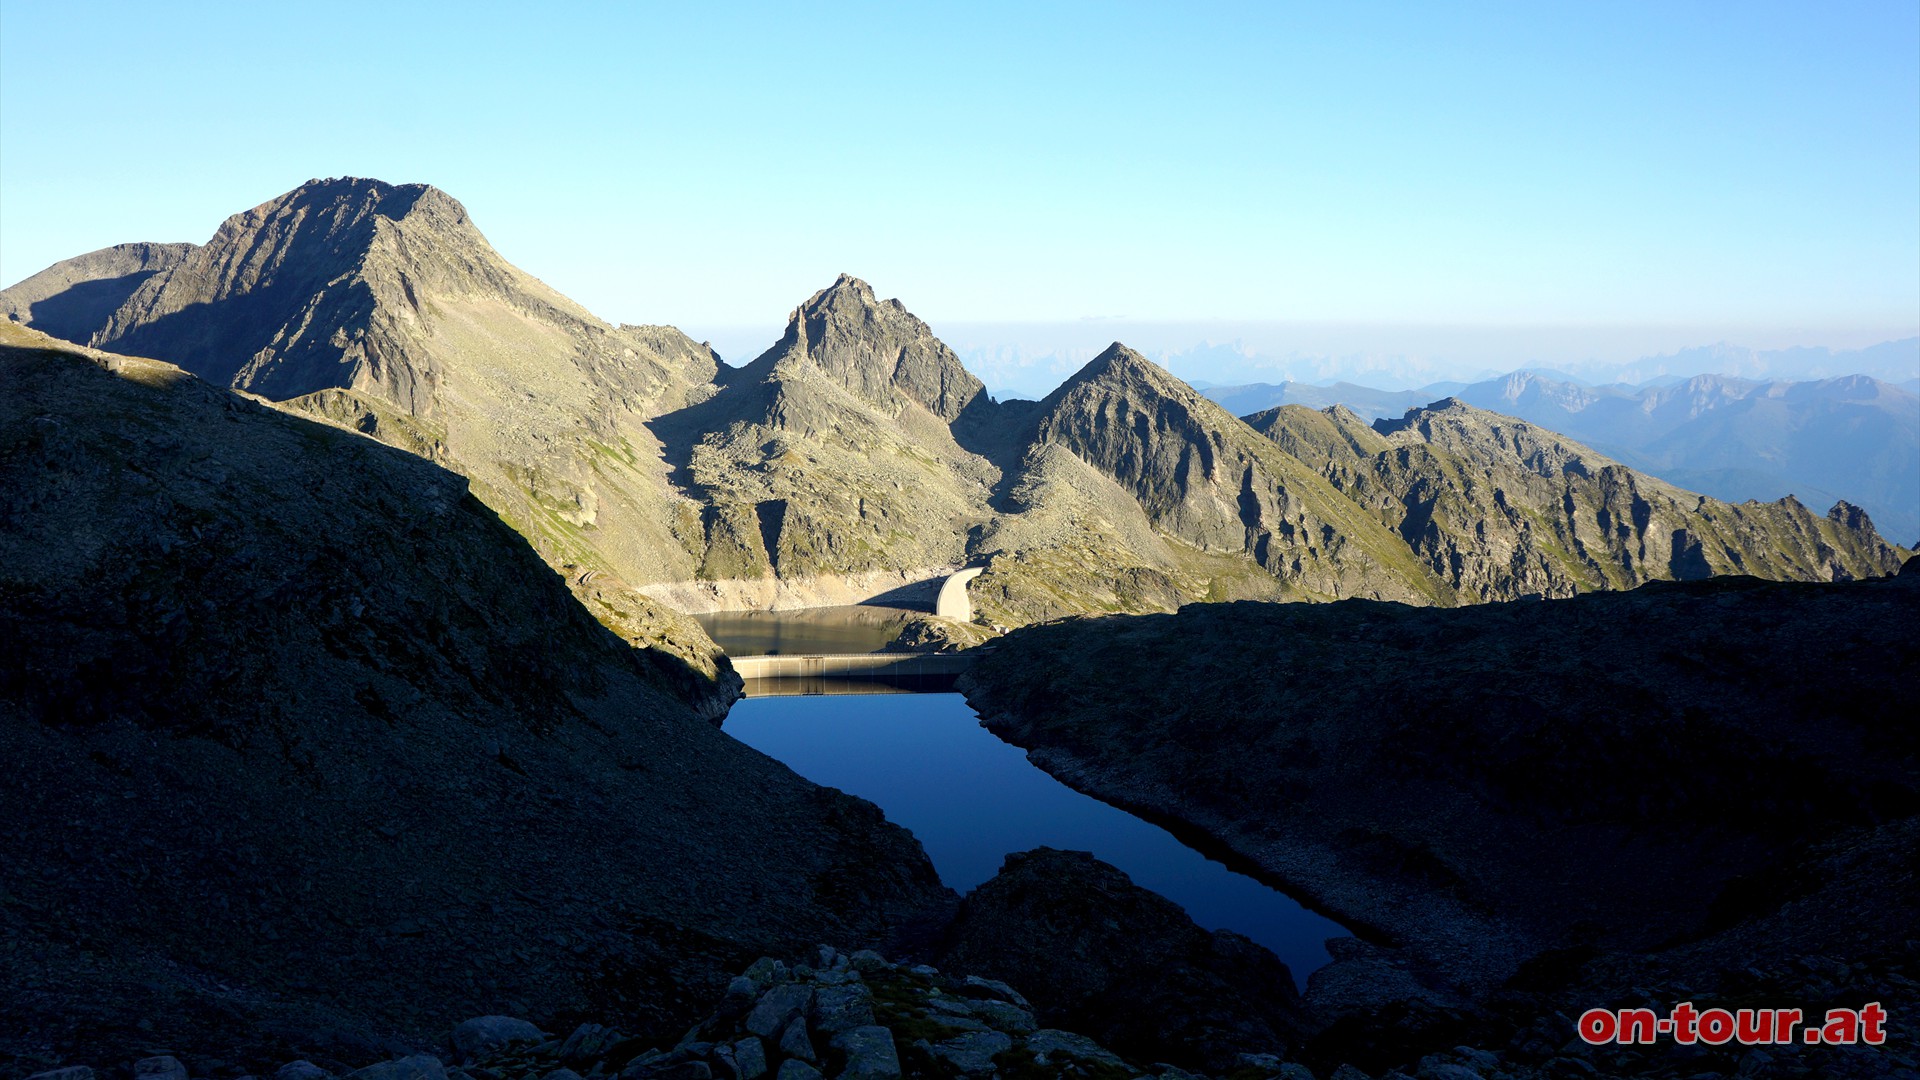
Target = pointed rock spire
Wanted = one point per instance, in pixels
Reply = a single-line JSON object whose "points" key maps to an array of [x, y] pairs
{"points": [[877, 349]]}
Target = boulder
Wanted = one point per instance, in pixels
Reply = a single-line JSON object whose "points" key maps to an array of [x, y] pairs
{"points": [[794, 1042], [587, 1044], [868, 1053], [973, 1052], [866, 962], [1051, 1044], [159, 1068], [416, 1067], [1001, 1016], [474, 1039], [778, 1008], [750, 1059], [839, 1008]]}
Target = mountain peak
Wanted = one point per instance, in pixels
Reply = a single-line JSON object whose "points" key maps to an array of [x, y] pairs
{"points": [[1119, 364], [352, 283], [1449, 409], [301, 281], [348, 200], [876, 348]]}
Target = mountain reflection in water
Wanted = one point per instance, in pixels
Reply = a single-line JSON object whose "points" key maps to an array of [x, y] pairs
{"points": [[858, 629]]}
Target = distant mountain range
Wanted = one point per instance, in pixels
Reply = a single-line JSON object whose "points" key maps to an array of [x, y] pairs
{"points": [[1887, 361], [1028, 360], [858, 454], [1853, 437]]}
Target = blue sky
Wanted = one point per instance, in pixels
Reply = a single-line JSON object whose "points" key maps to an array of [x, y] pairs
{"points": [[1743, 171]]}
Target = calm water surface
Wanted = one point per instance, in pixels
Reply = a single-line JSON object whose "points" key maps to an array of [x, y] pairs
{"points": [[830, 630], [972, 799]]}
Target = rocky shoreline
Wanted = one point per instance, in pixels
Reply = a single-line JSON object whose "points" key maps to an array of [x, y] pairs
{"points": [[1525, 809]]}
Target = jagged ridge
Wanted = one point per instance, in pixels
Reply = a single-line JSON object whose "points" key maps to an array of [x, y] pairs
{"points": [[1501, 508], [858, 453]]}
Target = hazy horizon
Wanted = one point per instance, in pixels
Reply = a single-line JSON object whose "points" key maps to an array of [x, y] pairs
{"points": [[1030, 359], [1747, 169]]}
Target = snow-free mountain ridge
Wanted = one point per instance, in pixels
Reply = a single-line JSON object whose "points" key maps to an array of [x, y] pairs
{"points": [[857, 455]]}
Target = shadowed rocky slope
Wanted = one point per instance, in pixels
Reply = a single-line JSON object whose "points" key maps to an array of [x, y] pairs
{"points": [[1099, 955], [306, 749], [74, 298], [1558, 794]]}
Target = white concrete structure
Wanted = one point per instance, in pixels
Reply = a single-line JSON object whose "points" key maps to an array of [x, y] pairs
{"points": [[953, 602]]}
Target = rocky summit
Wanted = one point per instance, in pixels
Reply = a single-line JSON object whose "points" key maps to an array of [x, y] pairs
{"points": [[830, 466], [382, 308], [307, 751], [857, 457]]}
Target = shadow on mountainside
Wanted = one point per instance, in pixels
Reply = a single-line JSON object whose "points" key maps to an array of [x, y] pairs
{"points": [[310, 754], [77, 312]]}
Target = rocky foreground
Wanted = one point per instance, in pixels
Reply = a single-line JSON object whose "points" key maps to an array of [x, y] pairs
{"points": [[861, 1017]]}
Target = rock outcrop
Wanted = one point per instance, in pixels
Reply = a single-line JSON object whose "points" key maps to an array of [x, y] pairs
{"points": [[829, 1015], [306, 749], [1100, 955]]}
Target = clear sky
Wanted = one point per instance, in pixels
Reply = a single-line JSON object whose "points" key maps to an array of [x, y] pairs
{"points": [[1752, 169]]}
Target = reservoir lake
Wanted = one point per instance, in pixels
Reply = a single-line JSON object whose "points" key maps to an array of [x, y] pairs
{"points": [[969, 798]]}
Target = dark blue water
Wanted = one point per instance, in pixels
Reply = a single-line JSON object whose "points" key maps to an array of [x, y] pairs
{"points": [[972, 799]]}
